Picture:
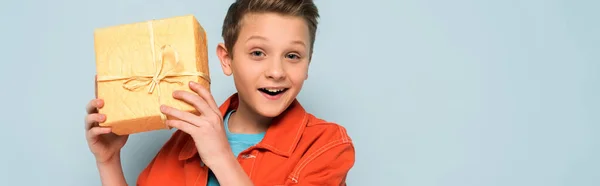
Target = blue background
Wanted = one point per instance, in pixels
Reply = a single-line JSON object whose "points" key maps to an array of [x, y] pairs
{"points": [[434, 93]]}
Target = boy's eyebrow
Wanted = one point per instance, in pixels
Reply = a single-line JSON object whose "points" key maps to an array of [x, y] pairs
{"points": [[299, 42], [256, 37]]}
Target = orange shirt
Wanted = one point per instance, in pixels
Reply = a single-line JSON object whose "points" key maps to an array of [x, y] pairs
{"points": [[298, 149]]}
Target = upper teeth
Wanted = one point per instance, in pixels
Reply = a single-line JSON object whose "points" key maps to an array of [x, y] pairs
{"points": [[273, 90]]}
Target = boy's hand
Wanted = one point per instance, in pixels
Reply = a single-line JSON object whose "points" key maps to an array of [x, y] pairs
{"points": [[206, 128], [105, 146]]}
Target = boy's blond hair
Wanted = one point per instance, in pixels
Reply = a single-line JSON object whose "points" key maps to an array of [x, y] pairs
{"points": [[301, 8]]}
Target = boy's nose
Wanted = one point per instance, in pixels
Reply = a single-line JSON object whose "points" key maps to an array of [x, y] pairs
{"points": [[275, 70]]}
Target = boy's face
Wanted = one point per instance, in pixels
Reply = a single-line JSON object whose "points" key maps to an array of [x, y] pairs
{"points": [[270, 61]]}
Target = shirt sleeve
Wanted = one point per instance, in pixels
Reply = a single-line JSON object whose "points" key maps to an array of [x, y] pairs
{"points": [[328, 166]]}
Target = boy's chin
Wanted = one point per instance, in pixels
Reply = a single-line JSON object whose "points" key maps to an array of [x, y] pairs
{"points": [[271, 110]]}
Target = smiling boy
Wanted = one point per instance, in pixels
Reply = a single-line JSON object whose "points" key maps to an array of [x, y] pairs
{"points": [[260, 135]]}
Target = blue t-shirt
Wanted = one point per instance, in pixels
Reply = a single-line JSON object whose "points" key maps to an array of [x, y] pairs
{"points": [[238, 142]]}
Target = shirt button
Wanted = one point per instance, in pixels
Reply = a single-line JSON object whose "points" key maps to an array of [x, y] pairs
{"points": [[246, 156]]}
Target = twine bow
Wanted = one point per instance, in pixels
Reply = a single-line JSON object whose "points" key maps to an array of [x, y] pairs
{"points": [[132, 83]]}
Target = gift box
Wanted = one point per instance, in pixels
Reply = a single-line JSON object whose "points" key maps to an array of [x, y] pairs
{"points": [[139, 65]]}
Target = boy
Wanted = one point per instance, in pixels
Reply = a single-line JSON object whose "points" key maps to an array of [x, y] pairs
{"points": [[260, 135]]}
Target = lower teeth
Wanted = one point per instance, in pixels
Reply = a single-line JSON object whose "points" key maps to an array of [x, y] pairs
{"points": [[270, 93]]}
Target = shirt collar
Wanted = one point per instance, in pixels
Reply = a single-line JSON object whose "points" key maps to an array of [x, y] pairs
{"points": [[281, 137]]}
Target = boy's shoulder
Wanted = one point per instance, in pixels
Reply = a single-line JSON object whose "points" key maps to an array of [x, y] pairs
{"points": [[324, 152], [323, 130]]}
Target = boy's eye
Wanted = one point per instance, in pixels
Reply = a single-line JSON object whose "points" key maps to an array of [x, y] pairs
{"points": [[256, 53], [293, 56]]}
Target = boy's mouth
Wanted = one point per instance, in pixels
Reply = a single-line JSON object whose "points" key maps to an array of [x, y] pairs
{"points": [[273, 91]]}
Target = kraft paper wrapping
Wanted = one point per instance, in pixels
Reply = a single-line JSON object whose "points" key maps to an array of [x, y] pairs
{"points": [[139, 65]]}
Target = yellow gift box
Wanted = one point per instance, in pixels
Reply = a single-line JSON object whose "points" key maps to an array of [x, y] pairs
{"points": [[139, 65]]}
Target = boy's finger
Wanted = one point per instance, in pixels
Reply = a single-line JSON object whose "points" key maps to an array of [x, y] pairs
{"points": [[96, 131], [181, 125], [194, 100], [178, 114], [93, 105], [90, 107], [93, 118], [206, 95]]}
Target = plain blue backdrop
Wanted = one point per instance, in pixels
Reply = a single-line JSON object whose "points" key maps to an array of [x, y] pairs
{"points": [[433, 93]]}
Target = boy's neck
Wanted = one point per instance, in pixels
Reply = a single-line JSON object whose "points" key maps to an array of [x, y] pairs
{"points": [[244, 120]]}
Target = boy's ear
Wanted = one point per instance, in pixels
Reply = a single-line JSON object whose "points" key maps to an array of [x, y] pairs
{"points": [[307, 71], [306, 76], [225, 58]]}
